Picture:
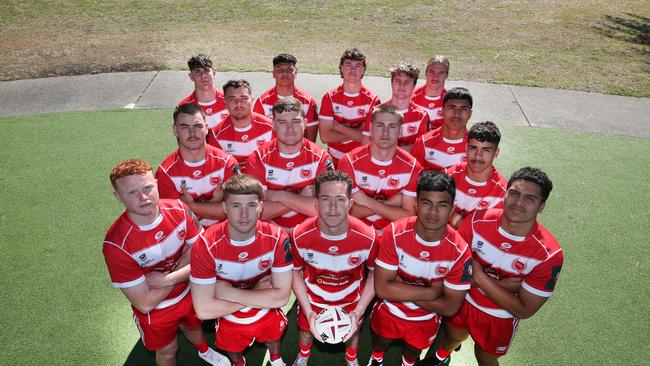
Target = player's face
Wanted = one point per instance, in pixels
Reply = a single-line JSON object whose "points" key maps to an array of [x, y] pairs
{"points": [[284, 74], [457, 113], [238, 102], [203, 78], [139, 194], [333, 205], [190, 131], [523, 201], [402, 86], [480, 155], [436, 75], [352, 70], [433, 209], [289, 127], [242, 212], [385, 130]]}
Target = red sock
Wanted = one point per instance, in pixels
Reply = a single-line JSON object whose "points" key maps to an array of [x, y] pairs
{"points": [[202, 347], [441, 354], [274, 356], [406, 362], [351, 354], [305, 349], [241, 362], [378, 356]]}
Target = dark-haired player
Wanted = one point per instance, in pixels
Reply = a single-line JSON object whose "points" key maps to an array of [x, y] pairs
{"points": [[422, 273], [284, 73], [515, 266], [205, 95]]}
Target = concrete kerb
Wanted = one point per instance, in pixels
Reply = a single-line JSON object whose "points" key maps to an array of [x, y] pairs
{"points": [[526, 106]]}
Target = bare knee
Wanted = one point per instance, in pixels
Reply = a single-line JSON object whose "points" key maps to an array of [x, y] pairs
{"points": [[484, 358], [166, 356]]}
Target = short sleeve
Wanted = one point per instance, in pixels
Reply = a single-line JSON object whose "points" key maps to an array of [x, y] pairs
{"points": [[298, 261], [194, 228], [258, 107], [202, 263], [255, 167], [542, 279], [460, 274], [283, 259], [345, 166], [166, 188], [418, 151], [326, 109], [466, 230], [122, 268], [411, 187], [374, 250], [312, 113], [387, 255]]}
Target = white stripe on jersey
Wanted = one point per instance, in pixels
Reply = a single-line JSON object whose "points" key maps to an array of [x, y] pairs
{"points": [[350, 113], [442, 158], [415, 267], [291, 176], [471, 203], [169, 302], [333, 263], [214, 119], [400, 314], [498, 313], [250, 320], [241, 148], [330, 296], [501, 259], [149, 257], [377, 184], [242, 271], [199, 186]]}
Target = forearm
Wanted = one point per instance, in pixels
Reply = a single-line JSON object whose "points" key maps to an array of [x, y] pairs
{"points": [[311, 132], [207, 306], [301, 204], [208, 210], [257, 298], [399, 291], [391, 213], [273, 209], [408, 148], [349, 132], [182, 274], [360, 211], [327, 133], [502, 296], [367, 294], [300, 290], [442, 305]]}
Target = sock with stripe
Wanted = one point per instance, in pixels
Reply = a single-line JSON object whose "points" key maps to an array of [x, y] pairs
{"points": [[202, 347], [441, 354], [305, 349], [274, 356], [351, 354], [377, 356], [406, 362]]}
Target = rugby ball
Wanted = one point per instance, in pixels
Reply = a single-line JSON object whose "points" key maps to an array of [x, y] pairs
{"points": [[333, 324]]}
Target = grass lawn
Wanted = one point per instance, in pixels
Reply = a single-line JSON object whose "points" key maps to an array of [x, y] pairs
{"points": [[593, 45], [56, 204]]}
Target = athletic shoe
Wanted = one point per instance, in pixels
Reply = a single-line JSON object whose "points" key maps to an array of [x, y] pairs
{"points": [[278, 362], [214, 358], [373, 362], [433, 361], [300, 360], [353, 363]]}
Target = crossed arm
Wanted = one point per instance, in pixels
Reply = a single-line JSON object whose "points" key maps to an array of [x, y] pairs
{"points": [[394, 208], [332, 131], [279, 202]]}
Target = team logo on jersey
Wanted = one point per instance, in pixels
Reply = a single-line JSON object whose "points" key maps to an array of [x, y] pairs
{"points": [[310, 256], [215, 180], [484, 204], [264, 264], [431, 153], [270, 172], [364, 179], [208, 111], [451, 149], [333, 249], [479, 244], [518, 265], [305, 173], [442, 270], [381, 172], [471, 191], [196, 173], [242, 256], [181, 234], [142, 257], [260, 142], [411, 129], [350, 103], [431, 105], [229, 146], [159, 235], [424, 254], [361, 111], [244, 138], [393, 182], [353, 260], [220, 268], [290, 164], [506, 245]]}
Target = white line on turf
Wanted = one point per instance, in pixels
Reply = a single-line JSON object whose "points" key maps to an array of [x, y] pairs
{"points": [[129, 106]]}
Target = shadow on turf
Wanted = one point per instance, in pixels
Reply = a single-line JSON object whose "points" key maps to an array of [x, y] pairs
{"points": [[631, 28]]}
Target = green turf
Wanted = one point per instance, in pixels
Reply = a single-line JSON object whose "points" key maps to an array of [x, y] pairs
{"points": [[56, 204]]}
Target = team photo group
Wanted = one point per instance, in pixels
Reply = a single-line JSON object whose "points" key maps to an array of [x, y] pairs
{"points": [[354, 205]]}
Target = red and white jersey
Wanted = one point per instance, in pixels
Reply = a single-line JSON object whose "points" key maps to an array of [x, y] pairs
{"points": [[241, 263], [278, 171], [334, 266], [133, 251], [350, 110], [472, 195], [381, 180], [436, 152], [420, 263], [433, 105], [241, 142], [214, 111], [264, 104], [414, 124], [200, 178], [536, 258]]}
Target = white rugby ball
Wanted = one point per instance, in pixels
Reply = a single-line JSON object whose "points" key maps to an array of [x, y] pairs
{"points": [[333, 324]]}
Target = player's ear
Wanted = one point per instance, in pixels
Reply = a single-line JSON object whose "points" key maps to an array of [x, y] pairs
{"points": [[497, 153], [117, 196], [541, 208], [351, 200], [225, 207]]}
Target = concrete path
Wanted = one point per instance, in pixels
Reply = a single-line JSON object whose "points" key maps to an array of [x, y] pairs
{"points": [[535, 107]]}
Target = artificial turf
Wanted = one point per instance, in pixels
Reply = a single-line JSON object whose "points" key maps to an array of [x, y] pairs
{"points": [[58, 307]]}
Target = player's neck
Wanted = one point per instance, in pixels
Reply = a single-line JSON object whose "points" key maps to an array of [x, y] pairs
{"points": [[401, 103], [238, 235], [290, 149], [284, 90], [243, 122], [193, 156], [452, 134], [429, 234], [433, 90], [205, 95], [334, 231], [352, 87], [382, 154], [517, 228], [480, 176], [144, 220]]}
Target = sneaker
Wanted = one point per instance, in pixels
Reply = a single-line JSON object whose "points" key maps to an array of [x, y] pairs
{"points": [[433, 361], [278, 362], [373, 362], [352, 363], [300, 360], [214, 358]]}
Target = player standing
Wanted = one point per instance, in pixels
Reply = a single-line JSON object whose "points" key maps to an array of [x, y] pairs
{"points": [[244, 130], [403, 78], [445, 146], [344, 109], [147, 251], [423, 273], [515, 266], [430, 95], [384, 175], [288, 167], [241, 274], [194, 173], [205, 95], [330, 254], [479, 185], [284, 73]]}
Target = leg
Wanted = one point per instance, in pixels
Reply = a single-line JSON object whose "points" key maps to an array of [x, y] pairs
{"points": [[274, 346], [351, 348], [166, 356], [379, 343], [237, 358], [195, 336], [453, 337], [484, 358], [410, 354]]}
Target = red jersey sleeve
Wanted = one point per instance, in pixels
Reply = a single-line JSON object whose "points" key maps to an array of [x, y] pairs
{"points": [[326, 109], [298, 261], [202, 263], [387, 255], [542, 279], [283, 260], [258, 107], [418, 151], [255, 167], [123, 270], [166, 188], [312, 113], [411, 187], [326, 163], [367, 124], [345, 166], [374, 251], [460, 275], [232, 168], [194, 228], [466, 230]]}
